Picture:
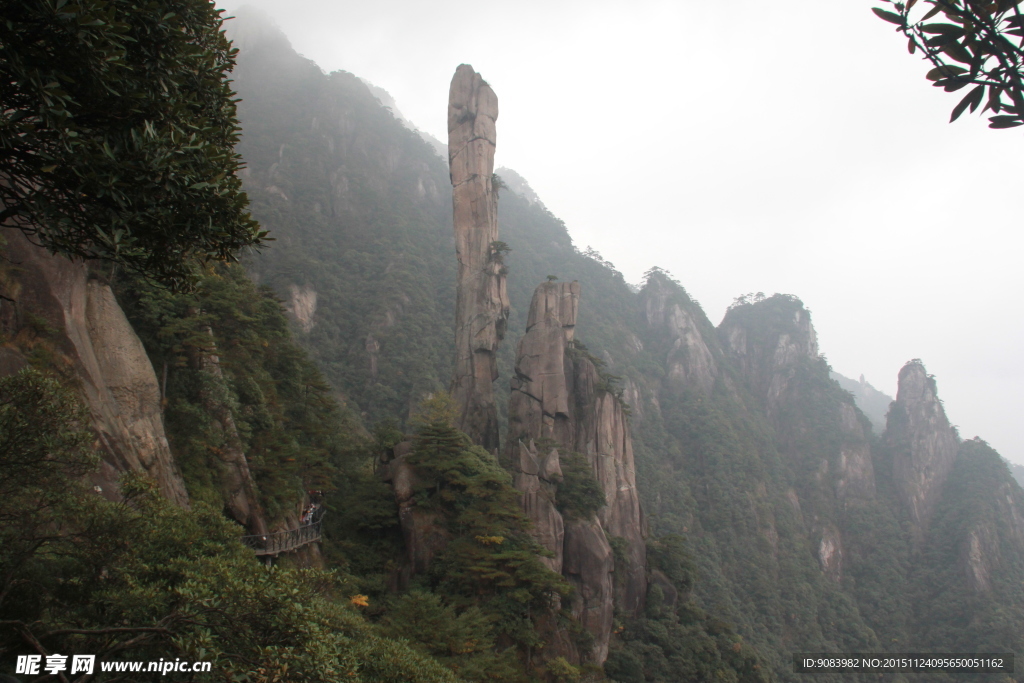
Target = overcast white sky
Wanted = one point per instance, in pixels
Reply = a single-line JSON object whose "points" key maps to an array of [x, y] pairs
{"points": [[744, 146]]}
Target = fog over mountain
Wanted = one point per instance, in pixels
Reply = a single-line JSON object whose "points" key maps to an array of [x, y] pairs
{"points": [[809, 156]]}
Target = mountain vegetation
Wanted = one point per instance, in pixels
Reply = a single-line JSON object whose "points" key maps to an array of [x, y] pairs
{"points": [[748, 480], [778, 512], [118, 128]]}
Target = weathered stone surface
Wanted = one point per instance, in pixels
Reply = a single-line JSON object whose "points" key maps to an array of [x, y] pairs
{"points": [[539, 405], [589, 563], [856, 471], [923, 443], [117, 379], [558, 397], [830, 553], [481, 309], [301, 305], [767, 356], [689, 361], [603, 435], [536, 477]]}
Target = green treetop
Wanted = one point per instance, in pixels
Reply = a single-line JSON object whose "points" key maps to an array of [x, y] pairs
{"points": [[117, 132]]}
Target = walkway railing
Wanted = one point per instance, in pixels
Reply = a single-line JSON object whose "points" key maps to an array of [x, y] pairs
{"points": [[284, 541]]}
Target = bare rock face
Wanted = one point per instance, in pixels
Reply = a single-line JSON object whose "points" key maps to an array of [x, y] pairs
{"points": [[559, 399], [603, 435], [923, 443], [768, 353], [856, 471], [301, 305], [589, 565], [690, 362], [91, 332], [481, 309], [830, 553], [536, 478], [539, 405]]}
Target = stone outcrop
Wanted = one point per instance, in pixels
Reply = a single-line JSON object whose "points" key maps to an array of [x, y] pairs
{"points": [[301, 305], [856, 475], [90, 333], [766, 340], [559, 400], [830, 553], [539, 407], [589, 566], [923, 443], [482, 307], [536, 478], [603, 436], [689, 361]]}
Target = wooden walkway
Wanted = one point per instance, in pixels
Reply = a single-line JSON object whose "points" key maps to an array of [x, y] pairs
{"points": [[285, 541]]}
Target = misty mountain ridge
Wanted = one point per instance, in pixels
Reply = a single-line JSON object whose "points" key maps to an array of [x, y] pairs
{"points": [[802, 528], [872, 402], [518, 466]]}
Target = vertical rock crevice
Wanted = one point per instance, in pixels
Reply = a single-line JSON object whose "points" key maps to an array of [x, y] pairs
{"points": [[482, 307]]}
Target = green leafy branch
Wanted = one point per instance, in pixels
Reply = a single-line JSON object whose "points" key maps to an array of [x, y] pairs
{"points": [[979, 43]]}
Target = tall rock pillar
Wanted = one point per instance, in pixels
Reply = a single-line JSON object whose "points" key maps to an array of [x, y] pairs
{"points": [[481, 309]]}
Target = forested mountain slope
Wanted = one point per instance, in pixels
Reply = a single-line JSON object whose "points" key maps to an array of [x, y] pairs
{"points": [[803, 528]]}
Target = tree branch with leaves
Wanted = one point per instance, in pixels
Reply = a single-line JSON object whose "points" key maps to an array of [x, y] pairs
{"points": [[117, 133], [969, 42]]}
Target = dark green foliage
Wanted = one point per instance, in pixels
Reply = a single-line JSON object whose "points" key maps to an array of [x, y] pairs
{"points": [[117, 126], [491, 561], [361, 209], [683, 643], [143, 579], [363, 536], [579, 495], [668, 554], [462, 641], [291, 429], [974, 43], [968, 587], [45, 448]]}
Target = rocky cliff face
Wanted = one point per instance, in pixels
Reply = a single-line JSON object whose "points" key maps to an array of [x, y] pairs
{"points": [[923, 443], [766, 341], [603, 435], [540, 404], [689, 361], [49, 300], [482, 307], [559, 400]]}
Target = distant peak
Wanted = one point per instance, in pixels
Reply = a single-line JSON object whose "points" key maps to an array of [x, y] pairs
{"points": [[518, 185], [915, 384], [250, 27]]}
